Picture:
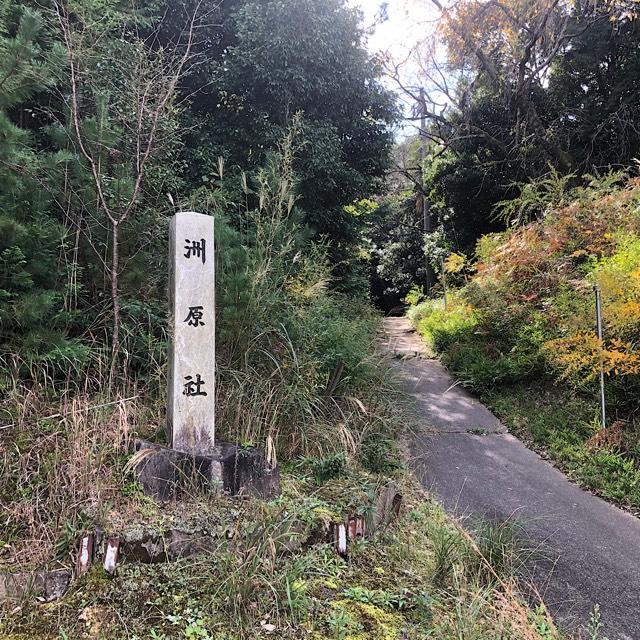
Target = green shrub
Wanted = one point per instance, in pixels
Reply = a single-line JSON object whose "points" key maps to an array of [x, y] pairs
{"points": [[482, 349], [415, 296], [612, 475], [326, 468], [379, 454], [443, 327], [337, 331]]}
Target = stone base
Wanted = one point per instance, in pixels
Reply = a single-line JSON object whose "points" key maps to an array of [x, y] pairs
{"points": [[46, 585], [233, 470]]}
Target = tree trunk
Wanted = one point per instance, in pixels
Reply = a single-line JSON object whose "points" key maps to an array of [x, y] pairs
{"points": [[115, 297], [423, 211]]}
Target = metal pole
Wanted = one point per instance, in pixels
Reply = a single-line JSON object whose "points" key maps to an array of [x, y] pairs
{"points": [[444, 282], [599, 325]]}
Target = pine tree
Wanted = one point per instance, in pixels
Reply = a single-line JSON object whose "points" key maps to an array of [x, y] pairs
{"points": [[33, 321]]}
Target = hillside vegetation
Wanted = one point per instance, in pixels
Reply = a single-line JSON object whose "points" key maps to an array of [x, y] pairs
{"points": [[520, 330], [271, 117]]}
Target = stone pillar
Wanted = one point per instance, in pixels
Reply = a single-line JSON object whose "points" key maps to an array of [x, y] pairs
{"points": [[191, 393]]}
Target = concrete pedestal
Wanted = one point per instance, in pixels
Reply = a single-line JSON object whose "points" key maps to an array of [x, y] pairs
{"points": [[238, 471]]}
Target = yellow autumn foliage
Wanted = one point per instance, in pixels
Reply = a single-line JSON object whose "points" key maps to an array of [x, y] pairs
{"points": [[495, 27], [455, 263], [618, 277], [580, 355]]}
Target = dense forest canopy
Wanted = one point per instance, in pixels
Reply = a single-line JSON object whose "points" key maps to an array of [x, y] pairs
{"points": [[114, 117]]}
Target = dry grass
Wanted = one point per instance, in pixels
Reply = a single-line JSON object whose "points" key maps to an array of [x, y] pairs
{"points": [[64, 450], [289, 411], [61, 466]]}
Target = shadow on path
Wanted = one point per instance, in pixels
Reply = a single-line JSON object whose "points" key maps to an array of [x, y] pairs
{"points": [[589, 549]]}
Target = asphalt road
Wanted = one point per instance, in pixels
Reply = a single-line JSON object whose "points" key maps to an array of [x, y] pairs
{"points": [[586, 550]]}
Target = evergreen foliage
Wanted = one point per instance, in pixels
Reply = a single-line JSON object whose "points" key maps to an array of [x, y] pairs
{"points": [[280, 58], [36, 322], [253, 67]]}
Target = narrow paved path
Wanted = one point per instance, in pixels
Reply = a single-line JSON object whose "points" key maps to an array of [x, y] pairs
{"points": [[589, 551]]}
